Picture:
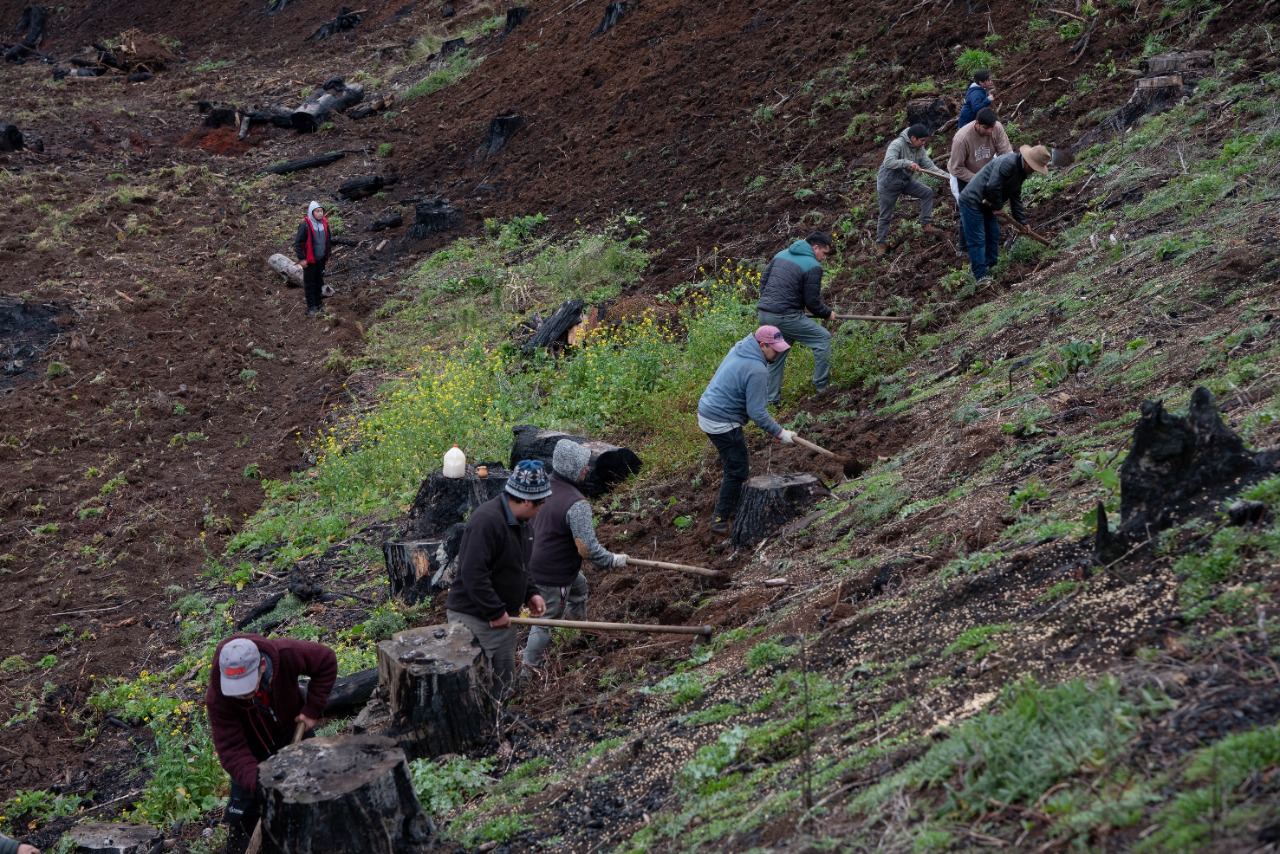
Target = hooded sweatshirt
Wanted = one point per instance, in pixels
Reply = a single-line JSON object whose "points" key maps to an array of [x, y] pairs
{"points": [[975, 98], [311, 243], [899, 156], [793, 282], [737, 392]]}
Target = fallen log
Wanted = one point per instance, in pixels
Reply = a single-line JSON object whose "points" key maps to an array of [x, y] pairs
{"points": [[439, 689], [290, 269], [32, 20], [770, 501], [363, 188], [679, 567], [348, 794], [346, 20], [553, 333], [100, 837], [380, 104], [301, 163], [351, 692], [391, 220], [335, 96], [610, 464], [588, 625]]}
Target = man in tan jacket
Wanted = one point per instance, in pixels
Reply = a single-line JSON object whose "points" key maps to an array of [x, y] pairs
{"points": [[974, 146]]}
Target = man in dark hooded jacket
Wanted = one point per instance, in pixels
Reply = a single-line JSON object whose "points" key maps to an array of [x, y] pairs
{"points": [[792, 284], [998, 182], [312, 244]]}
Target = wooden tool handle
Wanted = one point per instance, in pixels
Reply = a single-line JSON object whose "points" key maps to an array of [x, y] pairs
{"points": [[811, 446], [943, 175], [255, 842], [1022, 229], [662, 564], [873, 318], [611, 627]]}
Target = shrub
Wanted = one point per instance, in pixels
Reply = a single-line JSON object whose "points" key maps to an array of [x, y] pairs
{"points": [[973, 60]]}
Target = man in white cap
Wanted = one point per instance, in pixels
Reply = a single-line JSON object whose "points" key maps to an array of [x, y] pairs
{"points": [[254, 703], [998, 182], [736, 394], [563, 536], [492, 580]]}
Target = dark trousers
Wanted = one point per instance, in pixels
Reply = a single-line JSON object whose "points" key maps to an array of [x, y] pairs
{"points": [[737, 468], [981, 236], [313, 284], [241, 817]]}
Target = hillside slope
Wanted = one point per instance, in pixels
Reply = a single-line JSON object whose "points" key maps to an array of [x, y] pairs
{"points": [[164, 372]]}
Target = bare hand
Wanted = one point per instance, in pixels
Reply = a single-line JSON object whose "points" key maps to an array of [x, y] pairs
{"points": [[502, 622], [537, 606], [302, 263], [303, 719], [28, 849], [915, 167]]}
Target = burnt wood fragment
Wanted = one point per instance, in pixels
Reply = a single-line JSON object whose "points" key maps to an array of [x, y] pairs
{"points": [[11, 138], [391, 220], [553, 333], [501, 129], [609, 465], [363, 188], [304, 163], [452, 46], [346, 20], [612, 14]]}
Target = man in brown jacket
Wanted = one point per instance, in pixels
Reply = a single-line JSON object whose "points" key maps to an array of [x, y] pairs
{"points": [[254, 703]]}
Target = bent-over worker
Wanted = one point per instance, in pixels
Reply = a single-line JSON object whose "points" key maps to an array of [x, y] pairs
{"points": [[904, 157], [792, 284], [998, 182]]}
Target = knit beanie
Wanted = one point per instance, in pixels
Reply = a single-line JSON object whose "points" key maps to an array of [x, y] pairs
{"points": [[529, 481], [569, 459]]}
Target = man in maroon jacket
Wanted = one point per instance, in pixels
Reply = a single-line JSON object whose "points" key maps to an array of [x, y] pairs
{"points": [[254, 704]]}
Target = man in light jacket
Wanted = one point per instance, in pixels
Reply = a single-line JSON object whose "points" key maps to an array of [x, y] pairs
{"points": [[792, 285], [735, 395], [904, 157], [976, 145]]}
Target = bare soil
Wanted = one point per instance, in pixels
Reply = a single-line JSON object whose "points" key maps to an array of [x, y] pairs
{"points": [[155, 304]]}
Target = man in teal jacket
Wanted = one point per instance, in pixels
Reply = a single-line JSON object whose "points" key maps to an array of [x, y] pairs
{"points": [[792, 285]]}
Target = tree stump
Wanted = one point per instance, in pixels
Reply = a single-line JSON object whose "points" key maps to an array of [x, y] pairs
{"points": [[501, 129], [553, 333], [443, 502], [10, 138], [932, 111], [771, 501], [419, 569], [336, 96], [515, 17], [451, 46], [346, 20], [439, 689], [100, 837], [610, 464], [290, 269], [433, 216], [348, 794]]}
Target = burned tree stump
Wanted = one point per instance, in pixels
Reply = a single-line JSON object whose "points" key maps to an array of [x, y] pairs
{"points": [[363, 188], [612, 14], [553, 333], [515, 17], [346, 20], [439, 689], [290, 269], [1173, 461], [443, 502], [11, 138], [433, 216], [335, 97], [451, 46], [771, 501], [932, 111], [348, 794], [100, 837], [501, 129], [610, 464], [418, 569], [32, 20]]}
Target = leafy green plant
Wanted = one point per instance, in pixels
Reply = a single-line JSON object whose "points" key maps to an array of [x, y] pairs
{"points": [[445, 784], [768, 652], [973, 60]]}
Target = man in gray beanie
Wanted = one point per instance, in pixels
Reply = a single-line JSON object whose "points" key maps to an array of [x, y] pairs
{"points": [[493, 579], [563, 535]]}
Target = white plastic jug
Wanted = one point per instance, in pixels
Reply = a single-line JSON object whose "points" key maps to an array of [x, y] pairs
{"points": [[455, 462]]}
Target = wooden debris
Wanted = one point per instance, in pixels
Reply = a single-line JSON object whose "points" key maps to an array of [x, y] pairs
{"points": [[610, 464]]}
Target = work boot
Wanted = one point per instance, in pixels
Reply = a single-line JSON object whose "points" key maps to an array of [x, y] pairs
{"points": [[931, 229], [312, 312], [882, 249], [719, 525]]}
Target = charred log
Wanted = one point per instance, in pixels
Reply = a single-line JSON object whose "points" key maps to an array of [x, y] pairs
{"points": [[301, 163], [770, 502], [612, 14], [335, 96], [438, 686], [363, 188], [391, 220], [346, 20], [342, 795], [379, 105], [351, 692], [501, 129], [609, 465], [11, 138], [32, 20], [434, 216], [553, 333]]}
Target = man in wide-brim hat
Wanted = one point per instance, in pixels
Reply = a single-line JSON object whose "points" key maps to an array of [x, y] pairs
{"points": [[998, 182]]}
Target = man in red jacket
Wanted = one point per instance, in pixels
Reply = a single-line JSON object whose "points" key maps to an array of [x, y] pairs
{"points": [[254, 704]]}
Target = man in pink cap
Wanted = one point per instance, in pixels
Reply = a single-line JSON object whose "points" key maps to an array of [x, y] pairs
{"points": [[255, 703], [738, 393]]}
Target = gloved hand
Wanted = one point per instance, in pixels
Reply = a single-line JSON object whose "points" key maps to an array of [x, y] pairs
{"points": [[619, 561], [788, 437]]}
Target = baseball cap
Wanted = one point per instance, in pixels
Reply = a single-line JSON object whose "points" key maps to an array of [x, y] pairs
{"points": [[773, 337], [238, 667]]}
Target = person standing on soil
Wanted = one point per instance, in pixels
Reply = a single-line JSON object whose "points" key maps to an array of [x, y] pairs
{"points": [[976, 97], [792, 284], [998, 182], [254, 705], [563, 536], [312, 244], [735, 394], [13, 846], [492, 581], [904, 157], [976, 145]]}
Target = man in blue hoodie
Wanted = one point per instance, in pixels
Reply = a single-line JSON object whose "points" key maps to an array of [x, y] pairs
{"points": [[977, 96], [792, 285], [735, 395]]}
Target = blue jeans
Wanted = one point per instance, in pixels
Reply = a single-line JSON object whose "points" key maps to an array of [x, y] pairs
{"points": [[737, 468], [982, 236], [797, 328]]}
